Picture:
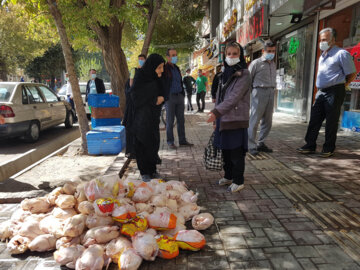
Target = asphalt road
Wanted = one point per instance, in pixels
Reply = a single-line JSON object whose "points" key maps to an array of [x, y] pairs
{"points": [[11, 149]]}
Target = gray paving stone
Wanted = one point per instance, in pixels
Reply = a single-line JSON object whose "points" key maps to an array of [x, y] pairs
{"points": [[305, 238], [298, 226], [258, 242], [258, 253], [273, 193], [283, 243], [333, 254], [304, 252], [235, 229], [276, 250], [307, 264], [259, 223], [283, 261], [239, 255], [339, 265], [251, 265], [258, 232], [277, 234], [233, 241]]}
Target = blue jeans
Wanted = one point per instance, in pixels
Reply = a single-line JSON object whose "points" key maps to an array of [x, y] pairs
{"points": [[175, 108]]}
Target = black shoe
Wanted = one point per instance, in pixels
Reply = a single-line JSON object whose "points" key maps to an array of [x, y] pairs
{"points": [[263, 148], [186, 144], [305, 150], [172, 146], [157, 176], [146, 177], [326, 154], [253, 151], [158, 160]]}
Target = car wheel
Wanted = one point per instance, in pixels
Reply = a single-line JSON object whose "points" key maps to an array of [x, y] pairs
{"points": [[33, 133], [69, 121]]}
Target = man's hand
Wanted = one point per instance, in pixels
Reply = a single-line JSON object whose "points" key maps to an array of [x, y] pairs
{"points": [[212, 117], [160, 100]]}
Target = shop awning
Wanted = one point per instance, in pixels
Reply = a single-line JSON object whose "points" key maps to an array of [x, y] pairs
{"points": [[311, 6]]}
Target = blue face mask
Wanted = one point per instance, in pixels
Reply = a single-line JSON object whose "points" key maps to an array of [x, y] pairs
{"points": [[141, 62], [269, 56], [174, 59], [93, 76]]}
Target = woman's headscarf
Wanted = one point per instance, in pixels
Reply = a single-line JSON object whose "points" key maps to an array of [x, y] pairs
{"points": [[147, 71], [230, 70]]}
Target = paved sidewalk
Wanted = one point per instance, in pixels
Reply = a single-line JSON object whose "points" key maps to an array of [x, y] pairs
{"points": [[296, 212]]}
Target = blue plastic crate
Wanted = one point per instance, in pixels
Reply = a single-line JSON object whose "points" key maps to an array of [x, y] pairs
{"points": [[105, 122], [116, 128], [103, 100], [106, 143], [351, 120]]}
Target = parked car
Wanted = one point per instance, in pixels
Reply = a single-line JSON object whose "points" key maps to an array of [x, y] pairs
{"points": [[29, 108], [82, 85]]}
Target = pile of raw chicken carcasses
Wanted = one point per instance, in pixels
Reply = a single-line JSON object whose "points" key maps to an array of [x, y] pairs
{"points": [[92, 224]]}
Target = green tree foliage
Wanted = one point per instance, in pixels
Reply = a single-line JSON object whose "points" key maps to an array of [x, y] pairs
{"points": [[85, 64], [21, 39]]}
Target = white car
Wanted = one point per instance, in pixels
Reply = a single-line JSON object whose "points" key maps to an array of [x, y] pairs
{"points": [[82, 85], [28, 108]]}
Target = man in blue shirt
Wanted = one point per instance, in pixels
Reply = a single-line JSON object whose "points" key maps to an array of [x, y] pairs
{"points": [[336, 70], [174, 100]]}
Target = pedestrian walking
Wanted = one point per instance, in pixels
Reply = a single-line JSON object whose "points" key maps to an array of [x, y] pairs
{"points": [[141, 61], [147, 97], [174, 100], [336, 70], [202, 86], [95, 85], [215, 83], [189, 83], [231, 114], [69, 94], [263, 75]]}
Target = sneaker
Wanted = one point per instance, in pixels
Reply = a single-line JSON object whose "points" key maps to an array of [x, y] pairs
{"points": [[146, 178], [156, 175], [263, 148], [186, 144], [224, 181], [235, 188], [254, 151], [326, 154], [305, 150], [172, 146]]}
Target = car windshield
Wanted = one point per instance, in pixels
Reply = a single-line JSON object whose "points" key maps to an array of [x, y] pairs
{"points": [[62, 91], [5, 91]]}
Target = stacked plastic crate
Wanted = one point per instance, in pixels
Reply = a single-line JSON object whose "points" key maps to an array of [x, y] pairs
{"points": [[107, 136]]}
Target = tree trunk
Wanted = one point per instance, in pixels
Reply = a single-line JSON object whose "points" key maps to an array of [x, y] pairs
{"points": [[109, 41], [83, 121], [153, 14], [3, 70]]}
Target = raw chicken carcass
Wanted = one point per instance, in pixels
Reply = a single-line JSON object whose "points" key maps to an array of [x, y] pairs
{"points": [[69, 188], [52, 196], [189, 197], [20, 215], [202, 221], [80, 193], [100, 235], [63, 213], [30, 229], [116, 247], [86, 208], [129, 260], [18, 244], [173, 232], [93, 221], [52, 225], [68, 255], [144, 207], [190, 240], [145, 245], [36, 205], [172, 205], [91, 259], [173, 194], [162, 218], [189, 210], [158, 200], [5, 231], [177, 185], [142, 193], [44, 242], [65, 201], [75, 225], [67, 241]]}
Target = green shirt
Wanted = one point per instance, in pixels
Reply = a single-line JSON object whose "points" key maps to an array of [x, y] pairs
{"points": [[200, 82]]}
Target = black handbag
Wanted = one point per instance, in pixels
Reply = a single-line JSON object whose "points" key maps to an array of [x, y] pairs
{"points": [[213, 158]]}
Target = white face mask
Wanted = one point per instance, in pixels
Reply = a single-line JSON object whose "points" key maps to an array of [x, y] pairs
{"points": [[232, 61], [324, 46]]}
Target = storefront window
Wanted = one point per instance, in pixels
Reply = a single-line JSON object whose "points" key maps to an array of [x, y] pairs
{"points": [[294, 58]]}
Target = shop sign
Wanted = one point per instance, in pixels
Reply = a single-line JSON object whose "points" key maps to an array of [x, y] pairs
{"points": [[230, 24], [293, 46], [213, 49], [221, 53], [253, 6], [355, 52], [254, 27]]}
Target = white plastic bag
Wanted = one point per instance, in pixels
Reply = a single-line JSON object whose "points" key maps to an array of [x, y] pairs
{"points": [[202, 221]]}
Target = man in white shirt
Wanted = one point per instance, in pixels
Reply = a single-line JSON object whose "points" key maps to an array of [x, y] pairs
{"points": [[69, 93]]}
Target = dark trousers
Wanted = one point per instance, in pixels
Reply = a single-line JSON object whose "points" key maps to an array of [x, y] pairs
{"points": [[327, 106], [189, 105], [234, 164], [201, 96], [146, 157], [175, 108]]}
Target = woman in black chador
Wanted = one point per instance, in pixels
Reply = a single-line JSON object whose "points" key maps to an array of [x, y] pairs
{"points": [[147, 96]]}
